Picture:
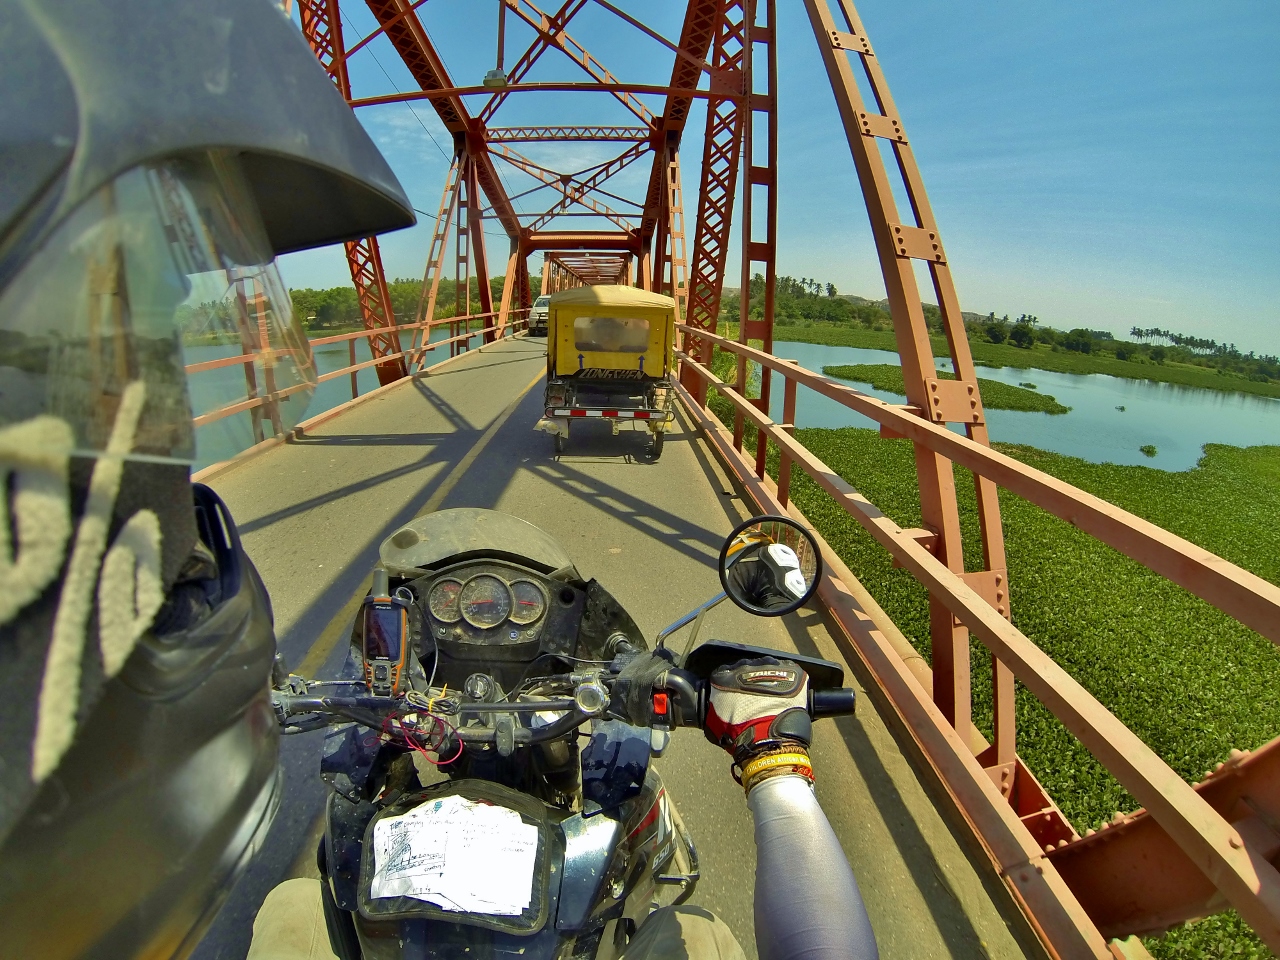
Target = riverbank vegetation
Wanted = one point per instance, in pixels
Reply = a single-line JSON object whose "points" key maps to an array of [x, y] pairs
{"points": [[810, 312], [336, 309], [995, 395], [1190, 681]]}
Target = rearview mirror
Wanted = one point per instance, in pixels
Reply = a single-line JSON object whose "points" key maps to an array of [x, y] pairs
{"points": [[770, 566]]}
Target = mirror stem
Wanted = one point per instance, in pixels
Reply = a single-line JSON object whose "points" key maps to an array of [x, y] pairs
{"points": [[692, 640], [695, 614]]}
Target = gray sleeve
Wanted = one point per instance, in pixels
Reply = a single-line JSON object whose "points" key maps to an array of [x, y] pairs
{"points": [[807, 901]]}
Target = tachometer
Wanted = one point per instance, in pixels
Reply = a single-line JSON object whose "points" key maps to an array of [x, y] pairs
{"points": [[530, 602], [443, 600], [485, 601]]}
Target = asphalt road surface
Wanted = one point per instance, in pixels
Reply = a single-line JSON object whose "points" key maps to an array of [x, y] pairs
{"points": [[312, 514]]}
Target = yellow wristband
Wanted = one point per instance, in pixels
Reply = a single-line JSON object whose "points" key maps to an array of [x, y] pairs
{"points": [[774, 760]]}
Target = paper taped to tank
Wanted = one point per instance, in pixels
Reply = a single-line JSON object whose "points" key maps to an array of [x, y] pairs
{"points": [[457, 854]]}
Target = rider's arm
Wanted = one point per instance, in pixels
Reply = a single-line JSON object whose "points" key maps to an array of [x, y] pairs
{"points": [[807, 901]]}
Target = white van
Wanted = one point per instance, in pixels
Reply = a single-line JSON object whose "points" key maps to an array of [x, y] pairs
{"points": [[538, 317]]}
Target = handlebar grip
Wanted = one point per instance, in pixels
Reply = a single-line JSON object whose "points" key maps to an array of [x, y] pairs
{"points": [[832, 703]]}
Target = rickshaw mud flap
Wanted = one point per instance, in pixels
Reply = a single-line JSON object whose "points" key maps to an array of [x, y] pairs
{"points": [[552, 426]]}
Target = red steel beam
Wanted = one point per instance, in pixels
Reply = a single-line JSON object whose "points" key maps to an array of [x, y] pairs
{"points": [[531, 55], [571, 191], [700, 19], [550, 87], [721, 152], [570, 134], [760, 181], [322, 27], [365, 262], [1132, 878], [406, 33], [602, 173], [591, 268], [900, 244], [552, 32], [586, 240]]}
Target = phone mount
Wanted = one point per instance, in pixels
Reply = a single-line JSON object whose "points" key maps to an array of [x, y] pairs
{"points": [[386, 637]]}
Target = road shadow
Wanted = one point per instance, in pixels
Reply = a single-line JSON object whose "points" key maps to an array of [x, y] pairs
{"points": [[594, 440], [451, 414], [436, 455]]}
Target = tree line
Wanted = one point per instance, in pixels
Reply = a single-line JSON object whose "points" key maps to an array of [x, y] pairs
{"points": [[1194, 344], [338, 307], [807, 301]]}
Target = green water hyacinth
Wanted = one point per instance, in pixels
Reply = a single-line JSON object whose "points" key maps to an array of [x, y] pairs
{"points": [[995, 395]]}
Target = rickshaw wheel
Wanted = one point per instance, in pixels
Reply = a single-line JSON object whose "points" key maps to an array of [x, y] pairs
{"points": [[655, 445], [559, 443]]}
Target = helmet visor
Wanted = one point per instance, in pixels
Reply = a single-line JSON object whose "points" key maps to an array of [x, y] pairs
{"points": [[164, 272]]}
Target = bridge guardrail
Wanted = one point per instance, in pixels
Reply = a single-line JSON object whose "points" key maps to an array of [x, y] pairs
{"points": [[415, 355], [1235, 861]]}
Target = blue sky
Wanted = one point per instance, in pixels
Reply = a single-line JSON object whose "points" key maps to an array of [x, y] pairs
{"points": [[1096, 164]]}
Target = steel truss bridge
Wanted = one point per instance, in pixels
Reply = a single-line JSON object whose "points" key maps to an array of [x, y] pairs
{"points": [[1192, 849]]}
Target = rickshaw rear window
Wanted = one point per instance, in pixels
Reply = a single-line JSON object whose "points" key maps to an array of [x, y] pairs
{"points": [[611, 334]]}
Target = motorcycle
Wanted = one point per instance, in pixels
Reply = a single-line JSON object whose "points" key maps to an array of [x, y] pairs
{"points": [[464, 819]]}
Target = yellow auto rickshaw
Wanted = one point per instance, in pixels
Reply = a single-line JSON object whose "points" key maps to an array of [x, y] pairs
{"points": [[609, 353]]}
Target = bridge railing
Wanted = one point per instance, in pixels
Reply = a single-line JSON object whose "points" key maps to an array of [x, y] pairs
{"points": [[1229, 854], [265, 399]]}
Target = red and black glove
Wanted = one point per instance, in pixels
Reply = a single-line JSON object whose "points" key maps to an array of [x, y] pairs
{"points": [[759, 713]]}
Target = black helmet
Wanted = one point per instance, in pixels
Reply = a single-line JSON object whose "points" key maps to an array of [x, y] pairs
{"points": [[154, 158]]}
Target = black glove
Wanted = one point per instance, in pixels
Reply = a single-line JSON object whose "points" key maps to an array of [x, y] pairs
{"points": [[632, 696]]}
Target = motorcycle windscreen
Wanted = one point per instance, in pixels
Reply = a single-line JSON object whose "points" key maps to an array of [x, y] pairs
{"points": [[447, 537]]}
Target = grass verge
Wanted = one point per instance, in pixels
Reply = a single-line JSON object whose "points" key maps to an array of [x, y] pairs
{"points": [[1040, 357], [995, 395]]}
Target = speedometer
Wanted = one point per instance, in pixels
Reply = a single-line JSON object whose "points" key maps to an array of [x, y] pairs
{"points": [[443, 600], [530, 602], [485, 601]]}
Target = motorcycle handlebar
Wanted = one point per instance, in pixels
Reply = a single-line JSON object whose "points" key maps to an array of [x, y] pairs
{"points": [[693, 695], [372, 711], [832, 703]]}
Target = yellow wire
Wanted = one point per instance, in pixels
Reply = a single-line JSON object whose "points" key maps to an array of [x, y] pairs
{"points": [[432, 702]]}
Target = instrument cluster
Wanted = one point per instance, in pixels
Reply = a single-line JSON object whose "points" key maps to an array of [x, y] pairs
{"points": [[486, 604]]}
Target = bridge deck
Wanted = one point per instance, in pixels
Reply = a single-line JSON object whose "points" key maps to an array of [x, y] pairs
{"points": [[313, 512]]}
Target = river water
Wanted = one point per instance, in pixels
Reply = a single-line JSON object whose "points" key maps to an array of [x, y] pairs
{"points": [[212, 389], [1177, 420]]}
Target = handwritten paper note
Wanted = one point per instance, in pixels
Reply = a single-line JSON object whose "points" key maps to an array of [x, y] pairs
{"points": [[457, 854]]}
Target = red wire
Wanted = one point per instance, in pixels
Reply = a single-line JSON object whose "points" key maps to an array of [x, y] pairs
{"points": [[413, 743], [439, 734]]}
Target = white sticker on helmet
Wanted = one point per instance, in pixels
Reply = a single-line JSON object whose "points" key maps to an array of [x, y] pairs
{"points": [[35, 453], [783, 556], [60, 687], [794, 582], [130, 590]]}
